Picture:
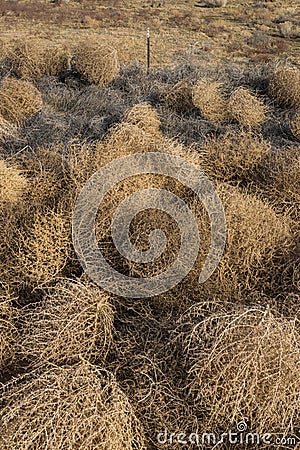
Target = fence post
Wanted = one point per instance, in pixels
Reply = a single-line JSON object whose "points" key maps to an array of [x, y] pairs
{"points": [[148, 50]]}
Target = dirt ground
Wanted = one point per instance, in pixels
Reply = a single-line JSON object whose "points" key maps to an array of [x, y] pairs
{"points": [[185, 31]]}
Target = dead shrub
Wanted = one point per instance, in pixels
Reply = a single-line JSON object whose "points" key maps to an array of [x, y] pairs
{"points": [[145, 117], [10, 223], [244, 366], [281, 179], [19, 100], [32, 60], [233, 155], [13, 184], [285, 86], [209, 98], [126, 139], [74, 320], [97, 62], [295, 126], [151, 369], [44, 247], [140, 132], [247, 109], [7, 130], [255, 235], [47, 171], [79, 407], [178, 97], [84, 160], [255, 231], [8, 331]]}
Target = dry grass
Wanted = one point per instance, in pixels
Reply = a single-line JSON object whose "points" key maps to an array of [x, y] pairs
{"points": [[209, 98], [13, 184], [8, 330], [295, 126], [179, 96], [79, 407], [19, 100], [32, 60], [74, 320], [97, 62], [285, 86], [247, 109], [44, 247], [233, 155], [244, 365]]}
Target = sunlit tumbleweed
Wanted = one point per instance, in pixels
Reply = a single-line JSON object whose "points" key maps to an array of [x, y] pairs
{"points": [[89, 199]]}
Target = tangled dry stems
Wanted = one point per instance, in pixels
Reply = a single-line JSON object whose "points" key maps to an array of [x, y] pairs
{"points": [[250, 221], [285, 86], [145, 117], [153, 374], [295, 126], [97, 62], [79, 407], [244, 365], [13, 184], [139, 132], [7, 130], [178, 97], [233, 155], [32, 60], [19, 100], [209, 98], [47, 171], [44, 247], [260, 233], [246, 108], [281, 180], [74, 320], [8, 331], [256, 227]]}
